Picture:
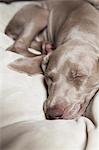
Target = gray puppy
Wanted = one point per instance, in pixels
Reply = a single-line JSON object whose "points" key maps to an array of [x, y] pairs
{"points": [[66, 33]]}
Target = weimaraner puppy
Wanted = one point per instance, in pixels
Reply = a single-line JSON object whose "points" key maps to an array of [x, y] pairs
{"points": [[67, 34]]}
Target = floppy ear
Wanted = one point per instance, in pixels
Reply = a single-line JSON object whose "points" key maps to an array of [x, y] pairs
{"points": [[28, 65]]}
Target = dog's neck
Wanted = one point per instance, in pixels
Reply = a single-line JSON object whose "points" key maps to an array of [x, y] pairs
{"points": [[76, 37], [82, 45]]}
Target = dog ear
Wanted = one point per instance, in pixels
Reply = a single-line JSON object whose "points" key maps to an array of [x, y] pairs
{"points": [[45, 61], [28, 65]]}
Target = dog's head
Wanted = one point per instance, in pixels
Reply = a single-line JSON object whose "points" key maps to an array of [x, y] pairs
{"points": [[72, 78]]}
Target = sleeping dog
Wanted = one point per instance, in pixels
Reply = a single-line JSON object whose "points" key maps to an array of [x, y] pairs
{"points": [[67, 34]]}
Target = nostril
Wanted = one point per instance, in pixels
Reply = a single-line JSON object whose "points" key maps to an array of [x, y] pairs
{"points": [[54, 113], [49, 117]]}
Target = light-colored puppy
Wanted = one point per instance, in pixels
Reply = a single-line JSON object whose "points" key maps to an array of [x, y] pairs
{"points": [[72, 69]]}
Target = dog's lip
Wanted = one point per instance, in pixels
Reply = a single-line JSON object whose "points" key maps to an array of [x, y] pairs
{"points": [[73, 113]]}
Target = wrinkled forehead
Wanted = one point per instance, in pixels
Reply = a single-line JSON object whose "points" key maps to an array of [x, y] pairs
{"points": [[77, 60]]}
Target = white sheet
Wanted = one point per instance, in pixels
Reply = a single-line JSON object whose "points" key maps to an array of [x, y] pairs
{"points": [[22, 121]]}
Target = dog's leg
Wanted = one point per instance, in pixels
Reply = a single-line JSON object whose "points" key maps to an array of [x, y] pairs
{"points": [[22, 44], [35, 20], [42, 44]]}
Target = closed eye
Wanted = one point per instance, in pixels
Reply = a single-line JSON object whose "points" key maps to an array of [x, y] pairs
{"points": [[76, 76]]}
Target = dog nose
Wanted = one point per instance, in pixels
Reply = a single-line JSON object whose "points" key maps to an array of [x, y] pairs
{"points": [[55, 112], [62, 111]]}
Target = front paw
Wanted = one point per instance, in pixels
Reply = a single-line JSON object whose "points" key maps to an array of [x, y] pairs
{"points": [[20, 48]]}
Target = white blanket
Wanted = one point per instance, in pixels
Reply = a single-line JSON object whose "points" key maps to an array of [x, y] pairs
{"points": [[22, 122]]}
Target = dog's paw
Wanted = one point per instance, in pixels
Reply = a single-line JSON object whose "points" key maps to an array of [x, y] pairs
{"points": [[20, 48]]}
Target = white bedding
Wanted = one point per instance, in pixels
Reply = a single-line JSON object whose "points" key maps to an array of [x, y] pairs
{"points": [[22, 122]]}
